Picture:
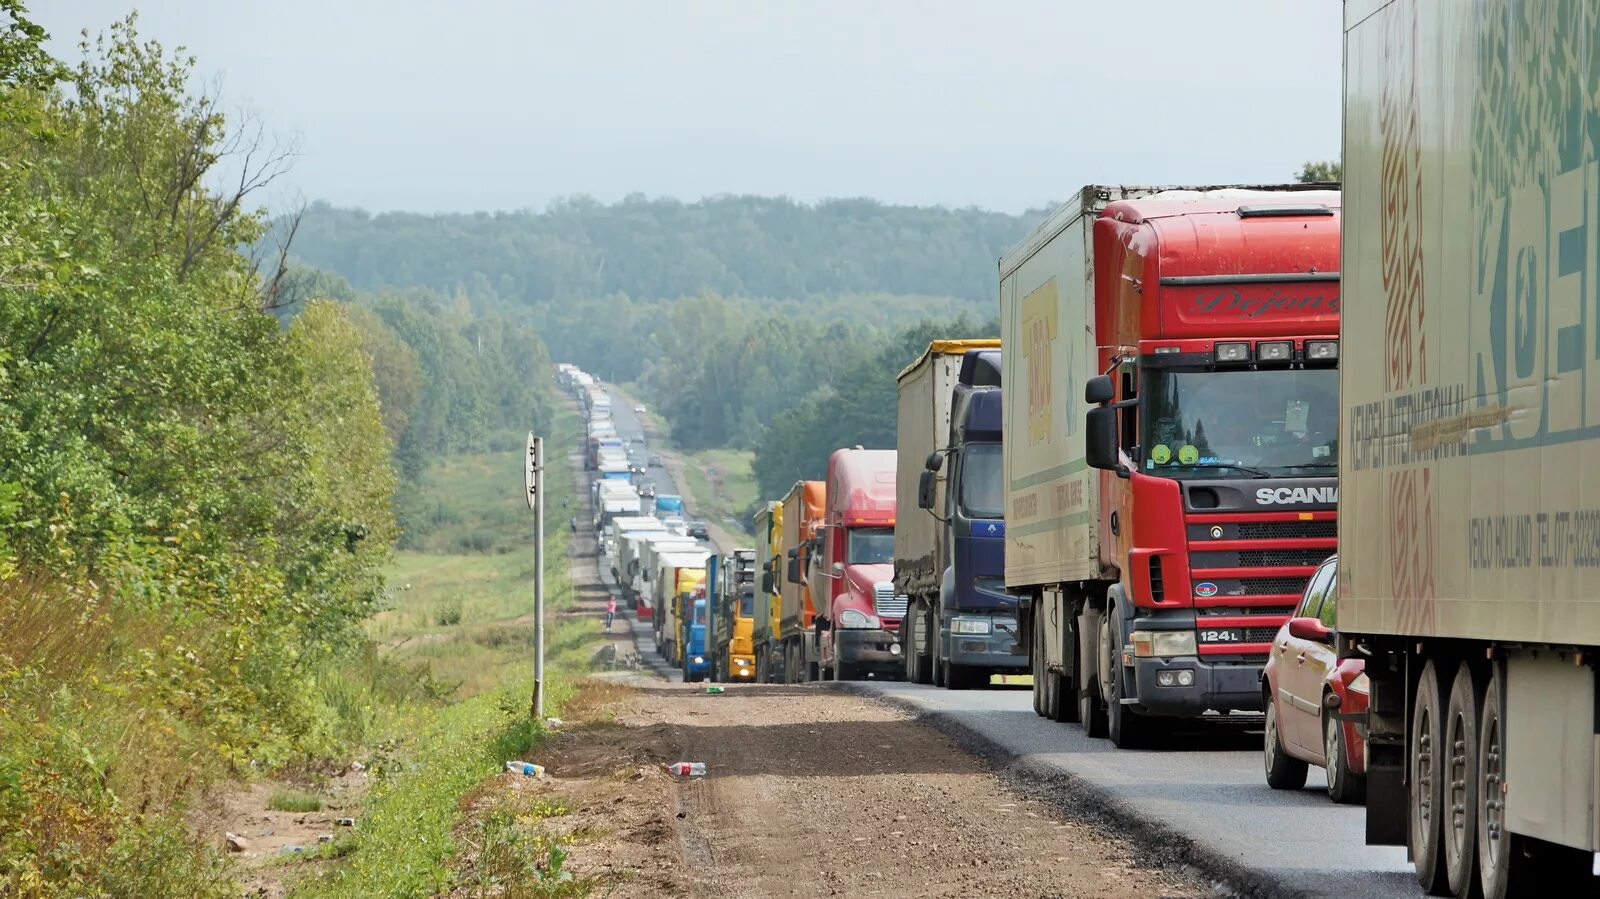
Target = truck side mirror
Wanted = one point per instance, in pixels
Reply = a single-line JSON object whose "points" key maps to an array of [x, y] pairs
{"points": [[766, 582], [925, 489], [1099, 389], [1100, 440], [794, 569], [934, 462]]}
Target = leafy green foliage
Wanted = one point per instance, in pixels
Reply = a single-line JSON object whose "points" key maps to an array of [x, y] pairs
{"points": [[1324, 170], [289, 801], [580, 249]]}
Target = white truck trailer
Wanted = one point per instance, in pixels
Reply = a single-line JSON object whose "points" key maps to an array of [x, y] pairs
{"points": [[1469, 551]]}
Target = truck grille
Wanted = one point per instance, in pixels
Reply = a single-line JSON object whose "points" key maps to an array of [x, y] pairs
{"points": [[1266, 586], [1260, 558], [886, 603], [1286, 530]]}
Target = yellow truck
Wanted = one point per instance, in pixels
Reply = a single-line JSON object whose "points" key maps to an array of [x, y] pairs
{"points": [[678, 574], [733, 624], [769, 603]]}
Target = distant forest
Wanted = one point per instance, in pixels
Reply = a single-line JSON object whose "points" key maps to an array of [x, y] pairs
{"points": [[748, 322], [648, 249]]}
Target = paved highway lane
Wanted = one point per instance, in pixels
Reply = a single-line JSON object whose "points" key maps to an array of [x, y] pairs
{"points": [[1207, 787]]}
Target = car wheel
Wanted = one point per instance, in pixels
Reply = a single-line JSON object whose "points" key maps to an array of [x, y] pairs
{"points": [[1283, 772], [1344, 785]]}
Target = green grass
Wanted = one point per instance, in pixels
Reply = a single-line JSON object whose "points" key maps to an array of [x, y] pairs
{"points": [[726, 495], [435, 752], [291, 801]]}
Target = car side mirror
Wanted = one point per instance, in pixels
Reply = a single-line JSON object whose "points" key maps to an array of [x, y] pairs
{"points": [[1310, 629], [934, 462], [925, 490], [1100, 440], [1099, 389]]}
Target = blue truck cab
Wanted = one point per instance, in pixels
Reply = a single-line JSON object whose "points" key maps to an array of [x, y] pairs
{"points": [[696, 656], [977, 619]]}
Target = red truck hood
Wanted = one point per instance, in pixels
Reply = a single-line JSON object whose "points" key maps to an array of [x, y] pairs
{"points": [[863, 579]]}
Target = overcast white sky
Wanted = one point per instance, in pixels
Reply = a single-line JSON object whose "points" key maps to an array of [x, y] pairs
{"points": [[499, 104]]}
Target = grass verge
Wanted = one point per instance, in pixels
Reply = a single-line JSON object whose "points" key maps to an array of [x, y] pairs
{"points": [[723, 485]]}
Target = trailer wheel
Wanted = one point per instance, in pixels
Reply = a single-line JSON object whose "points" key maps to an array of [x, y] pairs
{"points": [[1042, 681], [1091, 710], [1426, 781], [1460, 760]]}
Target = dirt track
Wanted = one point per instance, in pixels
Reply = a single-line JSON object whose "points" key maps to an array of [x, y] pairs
{"points": [[811, 792]]}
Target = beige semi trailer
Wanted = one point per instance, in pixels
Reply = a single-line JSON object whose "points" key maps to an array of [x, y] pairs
{"points": [[1469, 532]]}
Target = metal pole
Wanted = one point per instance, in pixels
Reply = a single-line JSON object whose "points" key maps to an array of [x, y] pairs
{"points": [[536, 500]]}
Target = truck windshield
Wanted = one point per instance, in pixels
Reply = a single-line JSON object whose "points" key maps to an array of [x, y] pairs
{"points": [[983, 492], [1240, 423], [871, 545], [747, 605], [700, 613]]}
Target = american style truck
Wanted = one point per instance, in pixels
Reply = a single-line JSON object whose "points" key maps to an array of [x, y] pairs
{"points": [[768, 528], [1170, 443], [733, 616], [1469, 553], [802, 516], [857, 622], [678, 575], [949, 541]]}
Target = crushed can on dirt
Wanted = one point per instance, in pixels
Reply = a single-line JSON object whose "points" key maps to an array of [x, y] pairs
{"points": [[687, 769], [715, 690], [345, 822], [526, 768]]}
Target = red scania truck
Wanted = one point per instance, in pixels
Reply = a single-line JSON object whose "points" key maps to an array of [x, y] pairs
{"points": [[1170, 445]]}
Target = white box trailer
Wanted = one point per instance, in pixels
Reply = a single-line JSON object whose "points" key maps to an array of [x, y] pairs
{"points": [[1469, 572]]}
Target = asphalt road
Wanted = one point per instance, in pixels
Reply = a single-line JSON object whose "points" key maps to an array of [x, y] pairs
{"points": [[1205, 786]]}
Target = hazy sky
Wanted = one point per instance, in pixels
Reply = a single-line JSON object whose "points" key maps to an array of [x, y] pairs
{"points": [[497, 104]]}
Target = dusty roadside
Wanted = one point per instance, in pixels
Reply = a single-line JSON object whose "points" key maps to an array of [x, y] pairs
{"points": [[808, 791]]}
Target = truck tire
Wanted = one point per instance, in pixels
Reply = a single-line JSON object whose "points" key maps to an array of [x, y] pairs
{"points": [[1042, 682], [1460, 760], [1126, 727], [1283, 771], [941, 672], [919, 653], [761, 664], [842, 670], [1091, 709], [1425, 782]]}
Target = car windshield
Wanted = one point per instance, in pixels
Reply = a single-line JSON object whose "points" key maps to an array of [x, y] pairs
{"points": [[871, 545], [1240, 423], [983, 492]]}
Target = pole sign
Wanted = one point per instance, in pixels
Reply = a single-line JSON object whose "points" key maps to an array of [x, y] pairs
{"points": [[534, 465]]}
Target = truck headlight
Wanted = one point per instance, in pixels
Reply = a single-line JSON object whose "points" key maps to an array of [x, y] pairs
{"points": [[969, 626], [852, 618], [1163, 643]]}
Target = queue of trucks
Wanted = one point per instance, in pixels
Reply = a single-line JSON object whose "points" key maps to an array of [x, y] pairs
{"points": [[1137, 523]]}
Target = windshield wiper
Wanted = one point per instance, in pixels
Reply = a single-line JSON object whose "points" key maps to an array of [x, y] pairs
{"points": [[1253, 472]]}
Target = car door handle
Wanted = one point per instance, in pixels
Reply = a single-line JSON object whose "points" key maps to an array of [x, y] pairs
{"points": [[1300, 659]]}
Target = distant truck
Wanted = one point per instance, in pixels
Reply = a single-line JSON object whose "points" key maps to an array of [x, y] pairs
{"points": [[858, 612], [1469, 553], [768, 647], [647, 569], [678, 576], [733, 622], [797, 612], [669, 505], [949, 543], [1158, 540]]}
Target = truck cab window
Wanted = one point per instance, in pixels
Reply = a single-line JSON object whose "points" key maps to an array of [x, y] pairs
{"points": [[983, 493], [870, 546], [1221, 423]]}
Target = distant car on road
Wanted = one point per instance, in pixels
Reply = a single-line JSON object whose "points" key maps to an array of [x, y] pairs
{"points": [[655, 460], [697, 530], [635, 468], [674, 525], [639, 409], [647, 490], [1315, 701]]}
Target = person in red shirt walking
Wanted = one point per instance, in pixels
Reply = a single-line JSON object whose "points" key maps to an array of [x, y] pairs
{"points": [[611, 611]]}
